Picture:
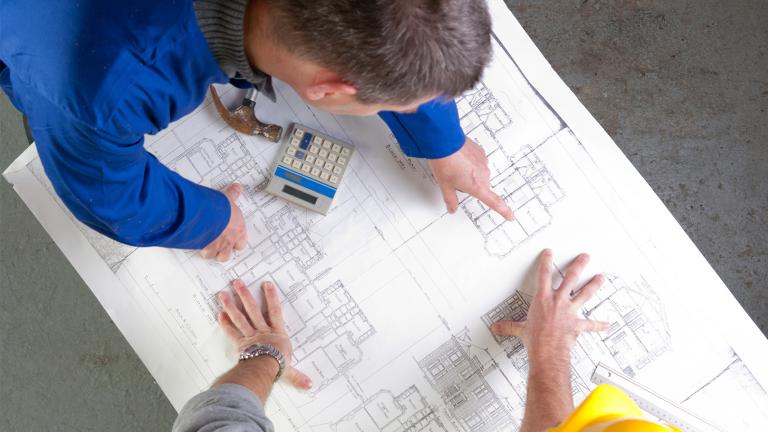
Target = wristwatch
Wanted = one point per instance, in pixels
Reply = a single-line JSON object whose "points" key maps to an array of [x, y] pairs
{"points": [[258, 350]]}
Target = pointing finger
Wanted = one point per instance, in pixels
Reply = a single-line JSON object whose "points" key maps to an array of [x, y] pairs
{"points": [[495, 203]]}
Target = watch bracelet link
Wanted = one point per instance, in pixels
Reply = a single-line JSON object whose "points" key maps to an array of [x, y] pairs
{"points": [[259, 350]]}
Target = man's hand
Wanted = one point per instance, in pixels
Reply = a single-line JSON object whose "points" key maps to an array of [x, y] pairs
{"points": [[234, 235], [246, 325], [549, 332], [467, 171], [553, 322]]}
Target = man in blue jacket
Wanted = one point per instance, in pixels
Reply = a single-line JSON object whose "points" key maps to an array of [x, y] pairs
{"points": [[94, 77]]}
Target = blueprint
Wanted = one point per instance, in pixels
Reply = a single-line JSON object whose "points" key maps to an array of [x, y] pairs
{"points": [[388, 299]]}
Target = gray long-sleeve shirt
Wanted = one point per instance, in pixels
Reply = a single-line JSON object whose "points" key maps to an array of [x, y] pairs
{"points": [[225, 408]]}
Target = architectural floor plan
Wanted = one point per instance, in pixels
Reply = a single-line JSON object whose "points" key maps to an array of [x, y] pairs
{"points": [[388, 298]]}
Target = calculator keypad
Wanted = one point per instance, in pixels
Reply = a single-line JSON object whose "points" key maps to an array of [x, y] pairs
{"points": [[316, 157]]}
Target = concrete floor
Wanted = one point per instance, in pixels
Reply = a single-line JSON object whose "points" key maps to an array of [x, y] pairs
{"points": [[681, 86]]}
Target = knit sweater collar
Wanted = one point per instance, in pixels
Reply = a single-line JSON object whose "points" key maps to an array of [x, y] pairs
{"points": [[221, 22]]}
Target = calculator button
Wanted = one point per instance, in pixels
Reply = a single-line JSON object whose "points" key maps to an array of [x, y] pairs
{"points": [[310, 159], [345, 151], [314, 149], [298, 133], [317, 141], [325, 176], [336, 148], [315, 171], [306, 167], [291, 151], [335, 179], [323, 153], [342, 160], [337, 170], [327, 144], [287, 160], [320, 162], [295, 141], [300, 154], [296, 164], [333, 156], [328, 166]]}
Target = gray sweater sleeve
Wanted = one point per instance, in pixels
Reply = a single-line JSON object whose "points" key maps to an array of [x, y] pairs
{"points": [[226, 408]]}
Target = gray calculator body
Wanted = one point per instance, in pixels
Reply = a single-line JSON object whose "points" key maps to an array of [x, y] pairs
{"points": [[309, 168]]}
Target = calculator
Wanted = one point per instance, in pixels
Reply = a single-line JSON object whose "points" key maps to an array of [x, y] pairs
{"points": [[309, 168]]}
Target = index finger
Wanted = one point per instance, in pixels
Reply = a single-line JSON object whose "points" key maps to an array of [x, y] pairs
{"points": [[495, 203]]}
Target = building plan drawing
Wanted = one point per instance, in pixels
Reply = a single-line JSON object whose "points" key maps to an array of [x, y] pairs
{"points": [[388, 299]]}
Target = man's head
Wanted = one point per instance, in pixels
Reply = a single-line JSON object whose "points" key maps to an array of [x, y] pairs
{"points": [[363, 56]]}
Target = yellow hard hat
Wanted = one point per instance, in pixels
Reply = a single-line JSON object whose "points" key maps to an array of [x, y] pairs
{"points": [[608, 409]]}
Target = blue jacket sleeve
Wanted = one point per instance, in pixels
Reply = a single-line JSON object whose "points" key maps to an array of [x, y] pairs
{"points": [[432, 132], [113, 185]]}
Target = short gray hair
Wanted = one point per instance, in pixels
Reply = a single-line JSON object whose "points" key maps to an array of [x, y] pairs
{"points": [[392, 51]]}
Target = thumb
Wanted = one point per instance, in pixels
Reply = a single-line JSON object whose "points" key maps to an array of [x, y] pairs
{"points": [[450, 198], [508, 328], [297, 378], [233, 191]]}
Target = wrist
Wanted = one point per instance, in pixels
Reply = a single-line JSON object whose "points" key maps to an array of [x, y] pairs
{"points": [[262, 365], [551, 353], [265, 350]]}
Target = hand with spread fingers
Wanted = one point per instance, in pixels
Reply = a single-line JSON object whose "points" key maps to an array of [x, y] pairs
{"points": [[549, 332], [234, 236], [553, 321], [467, 171], [246, 325]]}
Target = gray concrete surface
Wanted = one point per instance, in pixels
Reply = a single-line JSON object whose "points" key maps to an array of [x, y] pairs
{"points": [[681, 86]]}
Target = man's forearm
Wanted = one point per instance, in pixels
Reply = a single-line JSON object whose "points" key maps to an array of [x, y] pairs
{"points": [[257, 375], [549, 399]]}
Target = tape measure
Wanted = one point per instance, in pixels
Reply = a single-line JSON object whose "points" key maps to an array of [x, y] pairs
{"points": [[652, 402]]}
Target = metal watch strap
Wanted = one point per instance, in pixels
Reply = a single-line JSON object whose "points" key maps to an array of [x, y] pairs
{"points": [[258, 350]]}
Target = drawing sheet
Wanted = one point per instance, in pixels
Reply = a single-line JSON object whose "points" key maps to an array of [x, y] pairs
{"points": [[388, 299]]}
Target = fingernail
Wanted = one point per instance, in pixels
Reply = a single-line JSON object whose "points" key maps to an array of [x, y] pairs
{"points": [[307, 383]]}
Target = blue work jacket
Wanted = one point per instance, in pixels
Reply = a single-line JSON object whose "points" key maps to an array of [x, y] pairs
{"points": [[94, 76]]}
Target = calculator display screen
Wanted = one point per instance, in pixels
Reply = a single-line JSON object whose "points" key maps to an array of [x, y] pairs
{"points": [[299, 194]]}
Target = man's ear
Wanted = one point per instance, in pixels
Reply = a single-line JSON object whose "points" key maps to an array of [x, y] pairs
{"points": [[321, 90]]}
